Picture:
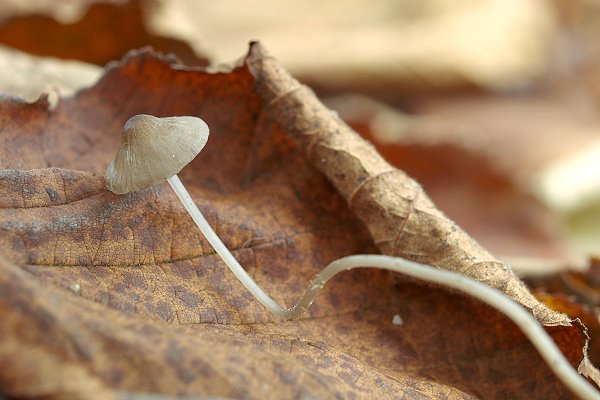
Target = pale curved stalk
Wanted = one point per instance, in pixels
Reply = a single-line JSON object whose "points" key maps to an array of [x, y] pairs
{"points": [[523, 319], [220, 248], [498, 300]]}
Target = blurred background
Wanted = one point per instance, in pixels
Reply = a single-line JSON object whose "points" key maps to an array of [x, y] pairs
{"points": [[492, 105]]}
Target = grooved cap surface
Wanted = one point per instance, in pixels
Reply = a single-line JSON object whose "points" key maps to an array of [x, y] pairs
{"points": [[154, 149]]}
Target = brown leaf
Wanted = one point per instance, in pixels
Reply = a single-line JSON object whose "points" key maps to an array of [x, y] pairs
{"points": [[590, 316], [124, 292], [464, 180], [584, 285], [401, 218], [577, 294], [73, 347], [105, 33]]}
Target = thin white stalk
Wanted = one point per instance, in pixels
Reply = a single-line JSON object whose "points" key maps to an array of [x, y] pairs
{"points": [[220, 248], [498, 300], [523, 319]]}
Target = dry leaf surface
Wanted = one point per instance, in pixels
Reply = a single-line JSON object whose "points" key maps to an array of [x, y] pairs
{"points": [[577, 294], [590, 316], [105, 32], [124, 294], [463, 180]]}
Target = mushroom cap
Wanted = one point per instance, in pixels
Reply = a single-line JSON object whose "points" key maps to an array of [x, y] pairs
{"points": [[154, 149]]}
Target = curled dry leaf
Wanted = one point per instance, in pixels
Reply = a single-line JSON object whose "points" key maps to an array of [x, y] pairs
{"points": [[399, 215], [577, 294], [124, 292], [547, 142], [584, 285], [590, 316], [463, 181]]}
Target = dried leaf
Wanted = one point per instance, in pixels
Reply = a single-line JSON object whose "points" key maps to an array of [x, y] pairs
{"points": [[462, 181], [124, 292], [104, 33], [547, 142], [590, 316], [584, 284], [82, 349], [401, 218]]}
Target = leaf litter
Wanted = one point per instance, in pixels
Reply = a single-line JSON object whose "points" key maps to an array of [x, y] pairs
{"points": [[268, 197]]}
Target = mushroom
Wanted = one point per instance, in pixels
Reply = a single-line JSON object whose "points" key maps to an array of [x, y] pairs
{"points": [[154, 149]]}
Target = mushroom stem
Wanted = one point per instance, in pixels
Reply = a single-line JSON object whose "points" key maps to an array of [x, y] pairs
{"points": [[220, 248], [498, 300], [493, 297]]}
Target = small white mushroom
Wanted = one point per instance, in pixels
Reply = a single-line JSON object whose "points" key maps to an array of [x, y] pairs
{"points": [[154, 149]]}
